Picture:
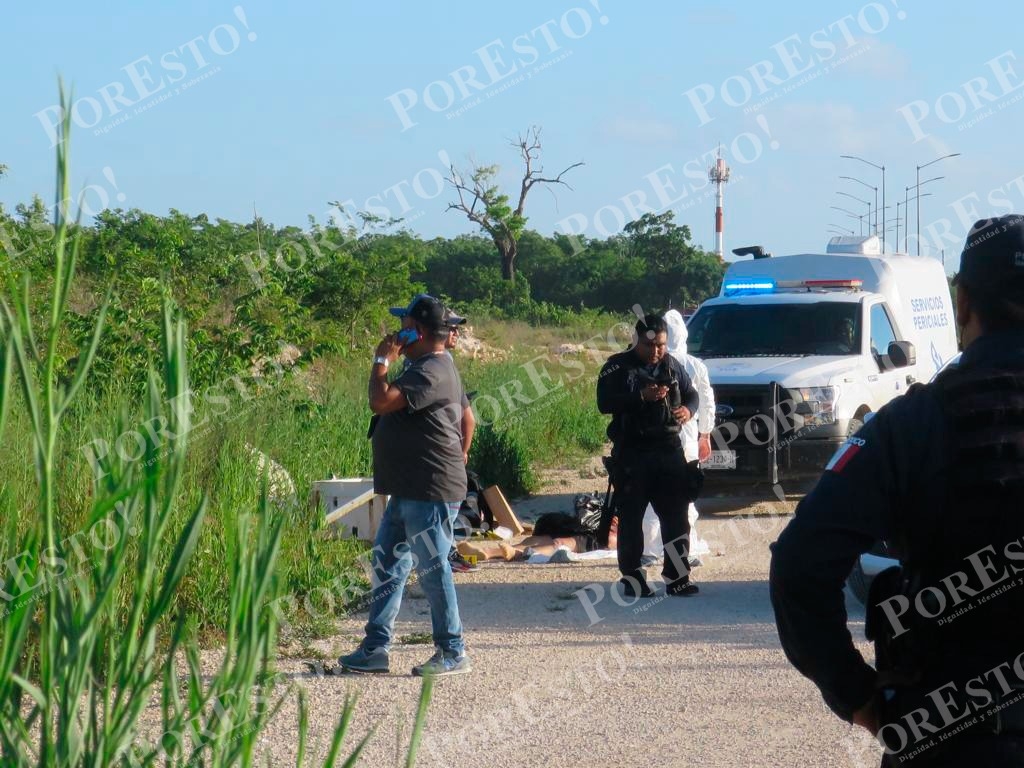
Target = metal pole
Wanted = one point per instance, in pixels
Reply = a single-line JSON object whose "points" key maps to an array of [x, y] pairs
{"points": [[876, 211], [906, 213], [917, 189], [883, 209]]}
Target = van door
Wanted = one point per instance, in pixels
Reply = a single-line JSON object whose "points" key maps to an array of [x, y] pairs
{"points": [[884, 382]]}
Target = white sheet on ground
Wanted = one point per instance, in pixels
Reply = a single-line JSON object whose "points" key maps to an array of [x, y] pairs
{"points": [[597, 554]]}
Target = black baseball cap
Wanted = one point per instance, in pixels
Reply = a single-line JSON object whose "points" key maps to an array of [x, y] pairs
{"points": [[452, 320], [993, 255], [425, 310]]}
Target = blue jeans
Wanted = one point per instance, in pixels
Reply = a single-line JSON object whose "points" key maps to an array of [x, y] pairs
{"points": [[415, 534]]}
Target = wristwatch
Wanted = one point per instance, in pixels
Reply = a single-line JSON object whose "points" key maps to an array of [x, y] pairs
{"points": [[381, 360]]}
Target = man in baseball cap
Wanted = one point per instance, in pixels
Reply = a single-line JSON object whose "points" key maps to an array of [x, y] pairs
{"points": [[452, 323], [453, 320], [418, 460], [425, 310]]}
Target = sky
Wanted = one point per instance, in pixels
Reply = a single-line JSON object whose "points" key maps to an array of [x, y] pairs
{"points": [[223, 107]]}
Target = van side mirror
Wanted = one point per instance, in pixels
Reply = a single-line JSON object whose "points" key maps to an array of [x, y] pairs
{"points": [[902, 354]]}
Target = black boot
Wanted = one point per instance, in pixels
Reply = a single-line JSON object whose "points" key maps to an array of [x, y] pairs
{"points": [[635, 585], [682, 588]]}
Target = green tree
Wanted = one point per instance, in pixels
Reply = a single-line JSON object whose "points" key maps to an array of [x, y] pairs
{"points": [[677, 272], [452, 266], [487, 206], [360, 280]]}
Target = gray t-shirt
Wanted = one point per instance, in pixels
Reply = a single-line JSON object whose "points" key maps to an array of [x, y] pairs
{"points": [[417, 451]]}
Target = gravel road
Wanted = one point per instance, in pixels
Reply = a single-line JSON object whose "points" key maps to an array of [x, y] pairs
{"points": [[556, 682]]}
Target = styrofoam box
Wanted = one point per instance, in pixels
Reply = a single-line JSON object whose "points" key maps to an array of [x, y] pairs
{"points": [[351, 505]]}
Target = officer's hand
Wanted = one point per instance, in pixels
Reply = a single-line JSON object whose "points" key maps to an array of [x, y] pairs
{"points": [[682, 414], [652, 393], [867, 718], [703, 447]]}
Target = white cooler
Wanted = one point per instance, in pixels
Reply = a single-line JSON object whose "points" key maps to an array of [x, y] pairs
{"points": [[351, 505]]}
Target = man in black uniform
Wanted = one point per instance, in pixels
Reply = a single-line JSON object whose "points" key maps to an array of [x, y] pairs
{"points": [[650, 396], [939, 475]]}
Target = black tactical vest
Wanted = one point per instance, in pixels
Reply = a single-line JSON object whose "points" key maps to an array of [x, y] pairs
{"points": [[653, 427], [961, 541], [965, 555]]}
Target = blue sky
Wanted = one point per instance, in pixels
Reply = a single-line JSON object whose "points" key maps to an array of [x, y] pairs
{"points": [[214, 107]]}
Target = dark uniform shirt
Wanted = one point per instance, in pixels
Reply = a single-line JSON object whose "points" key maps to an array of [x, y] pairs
{"points": [[636, 422], [880, 485]]}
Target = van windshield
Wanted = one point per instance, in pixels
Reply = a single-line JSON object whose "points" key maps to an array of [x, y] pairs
{"points": [[766, 330]]}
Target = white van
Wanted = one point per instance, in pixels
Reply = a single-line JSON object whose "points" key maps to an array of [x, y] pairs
{"points": [[801, 348]]}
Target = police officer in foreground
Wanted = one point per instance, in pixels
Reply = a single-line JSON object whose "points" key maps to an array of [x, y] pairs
{"points": [[939, 475], [650, 397]]}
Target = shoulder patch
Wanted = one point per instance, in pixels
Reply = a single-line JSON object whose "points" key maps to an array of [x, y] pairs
{"points": [[845, 454]]}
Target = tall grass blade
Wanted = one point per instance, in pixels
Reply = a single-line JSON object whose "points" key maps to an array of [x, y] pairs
{"points": [[421, 720]]}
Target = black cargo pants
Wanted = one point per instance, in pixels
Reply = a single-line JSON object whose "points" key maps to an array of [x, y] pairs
{"points": [[662, 479]]}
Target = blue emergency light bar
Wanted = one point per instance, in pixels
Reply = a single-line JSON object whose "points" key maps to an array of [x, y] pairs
{"points": [[749, 285]]}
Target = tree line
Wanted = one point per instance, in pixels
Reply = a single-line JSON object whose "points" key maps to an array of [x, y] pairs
{"points": [[246, 289]]}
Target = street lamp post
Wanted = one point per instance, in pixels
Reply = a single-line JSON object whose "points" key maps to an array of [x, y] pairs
{"points": [[871, 187], [917, 197], [859, 200], [882, 169], [898, 222], [834, 229], [906, 211], [917, 188], [906, 214], [851, 214]]}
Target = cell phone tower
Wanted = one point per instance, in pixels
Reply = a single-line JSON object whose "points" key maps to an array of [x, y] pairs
{"points": [[718, 174]]}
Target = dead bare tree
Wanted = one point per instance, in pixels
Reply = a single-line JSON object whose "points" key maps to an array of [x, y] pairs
{"points": [[484, 203]]}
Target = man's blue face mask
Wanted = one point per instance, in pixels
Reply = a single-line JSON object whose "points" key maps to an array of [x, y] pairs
{"points": [[407, 336]]}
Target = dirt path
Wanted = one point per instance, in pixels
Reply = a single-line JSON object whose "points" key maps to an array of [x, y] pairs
{"points": [[560, 681]]}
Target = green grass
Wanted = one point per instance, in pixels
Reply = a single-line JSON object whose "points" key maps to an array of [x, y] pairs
{"points": [[102, 618], [315, 427], [314, 424], [532, 412]]}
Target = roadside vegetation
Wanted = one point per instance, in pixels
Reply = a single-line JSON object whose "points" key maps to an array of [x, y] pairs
{"points": [[280, 322], [94, 627]]}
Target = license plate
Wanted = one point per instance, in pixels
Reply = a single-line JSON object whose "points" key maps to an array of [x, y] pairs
{"points": [[720, 460]]}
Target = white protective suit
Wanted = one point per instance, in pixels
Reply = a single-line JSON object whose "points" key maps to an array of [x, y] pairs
{"points": [[704, 422]]}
